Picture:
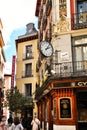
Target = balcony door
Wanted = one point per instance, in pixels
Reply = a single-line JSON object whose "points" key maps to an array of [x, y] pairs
{"points": [[28, 90], [28, 69], [82, 11], [80, 53], [82, 6], [29, 51]]}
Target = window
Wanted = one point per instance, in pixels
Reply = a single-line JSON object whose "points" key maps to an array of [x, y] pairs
{"points": [[80, 52], [28, 89], [29, 51], [82, 11], [82, 6], [28, 69], [65, 108]]}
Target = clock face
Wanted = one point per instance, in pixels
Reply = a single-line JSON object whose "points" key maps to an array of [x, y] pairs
{"points": [[46, 49]]}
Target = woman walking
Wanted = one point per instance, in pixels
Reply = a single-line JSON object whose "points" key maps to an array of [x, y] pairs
{"points": [[35, 123]]}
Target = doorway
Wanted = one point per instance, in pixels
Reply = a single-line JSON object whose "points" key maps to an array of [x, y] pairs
{"points": [[82, 110]]}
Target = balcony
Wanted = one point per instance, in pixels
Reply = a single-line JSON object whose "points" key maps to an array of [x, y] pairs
{"points": [[26, 74], [79, 21], [59, 71], [68, 69], [27, 56]]}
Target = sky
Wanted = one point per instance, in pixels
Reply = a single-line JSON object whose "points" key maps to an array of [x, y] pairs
{"points": [[15, 15]]}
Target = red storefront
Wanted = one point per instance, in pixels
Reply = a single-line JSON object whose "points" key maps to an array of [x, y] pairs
{"points": [[62, 104]]}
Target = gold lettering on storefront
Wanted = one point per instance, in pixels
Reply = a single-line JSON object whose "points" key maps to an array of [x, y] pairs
{"points": [[82, 83]]}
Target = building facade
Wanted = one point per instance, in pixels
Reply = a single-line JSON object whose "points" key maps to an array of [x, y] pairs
{"points": [[27, 53], [2, 61], [62, 92], [7, 85]]}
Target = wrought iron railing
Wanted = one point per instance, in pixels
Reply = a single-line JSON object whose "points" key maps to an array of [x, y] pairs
{"points": [[67, 69], [62, 70], [27, 74], [29, 55], [79, 20]]}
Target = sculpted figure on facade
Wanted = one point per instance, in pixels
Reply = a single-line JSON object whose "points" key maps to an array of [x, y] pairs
{"points": [[63, 24]]}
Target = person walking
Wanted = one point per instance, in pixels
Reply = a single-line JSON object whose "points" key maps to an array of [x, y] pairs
{"points": [[16, 125], [24, 122], [10, 120], [29, 120], [35, 123], [3, 125]]}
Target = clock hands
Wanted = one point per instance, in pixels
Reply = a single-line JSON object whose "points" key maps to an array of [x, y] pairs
{"points": [[47, 47]]}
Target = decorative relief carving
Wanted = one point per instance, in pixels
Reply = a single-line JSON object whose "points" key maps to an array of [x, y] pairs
{"points": [[62, 7], [63, 24]]}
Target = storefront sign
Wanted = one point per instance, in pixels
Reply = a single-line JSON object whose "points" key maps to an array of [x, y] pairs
{"points": [[82, 83], [73, 84], [65, 108], [13, 71]]}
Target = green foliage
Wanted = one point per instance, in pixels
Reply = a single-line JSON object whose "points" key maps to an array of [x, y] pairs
{"points": [[16, 101]]}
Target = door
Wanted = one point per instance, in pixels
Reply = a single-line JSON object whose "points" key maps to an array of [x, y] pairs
{"points": [[82, 110]]}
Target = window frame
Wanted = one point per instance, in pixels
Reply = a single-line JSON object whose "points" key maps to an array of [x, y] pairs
{"points": [[29, 51], [28, 86]]}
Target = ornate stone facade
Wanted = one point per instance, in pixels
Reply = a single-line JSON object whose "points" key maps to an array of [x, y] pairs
{"points": [[63, 24]]}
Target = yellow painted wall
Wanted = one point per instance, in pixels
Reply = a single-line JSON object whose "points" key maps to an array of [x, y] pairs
{"points": [[21, 63]]}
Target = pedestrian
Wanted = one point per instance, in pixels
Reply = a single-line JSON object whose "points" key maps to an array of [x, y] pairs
{"points": [[10, 120], [29, 120], [35, 123], [24, 122], [3, 125], [16, 125]]}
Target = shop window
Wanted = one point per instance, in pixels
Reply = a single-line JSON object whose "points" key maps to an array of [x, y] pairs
{"points": [[65, 108], [82, 115]]}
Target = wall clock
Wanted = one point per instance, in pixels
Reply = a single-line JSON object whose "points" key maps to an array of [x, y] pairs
{"points": [[46, 49]]}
